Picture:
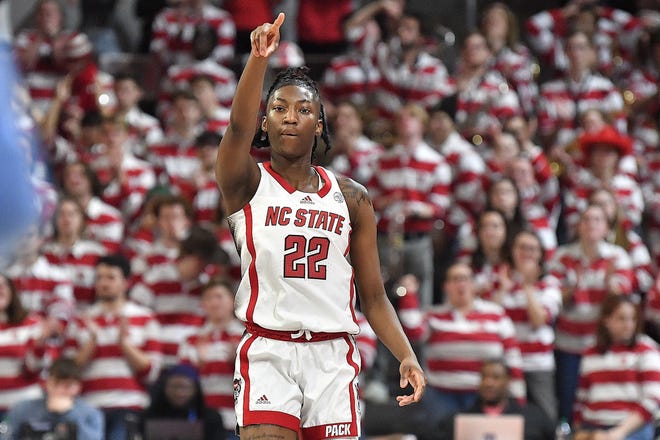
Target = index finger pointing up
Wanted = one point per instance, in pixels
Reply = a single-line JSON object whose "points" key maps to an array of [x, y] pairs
{"points": [[278, 21]]}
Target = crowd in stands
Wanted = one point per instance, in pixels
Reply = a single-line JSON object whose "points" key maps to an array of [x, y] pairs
{"points": [[516, 189]]}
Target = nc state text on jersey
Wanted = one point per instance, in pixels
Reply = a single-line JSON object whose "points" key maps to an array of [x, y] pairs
{"points": [[310, 218]]}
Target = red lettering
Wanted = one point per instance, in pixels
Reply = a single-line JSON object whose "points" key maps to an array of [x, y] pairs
{"points": [[271, 215], [312, 217], [332, 220], [283, 220], [340, 224], [322, 221], [300, 218]]}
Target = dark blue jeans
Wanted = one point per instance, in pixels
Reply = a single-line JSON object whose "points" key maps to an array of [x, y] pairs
{"points": [[568, 374]]}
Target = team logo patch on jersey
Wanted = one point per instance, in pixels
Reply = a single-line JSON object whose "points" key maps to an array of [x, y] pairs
{"points": [[339, 197], [237, 388], [307, 200]]}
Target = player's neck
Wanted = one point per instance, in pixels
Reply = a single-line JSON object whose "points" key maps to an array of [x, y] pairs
{"points": [[302, 176]]}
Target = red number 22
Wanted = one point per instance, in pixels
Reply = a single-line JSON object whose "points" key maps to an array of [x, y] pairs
{"points": [[305, 257]]}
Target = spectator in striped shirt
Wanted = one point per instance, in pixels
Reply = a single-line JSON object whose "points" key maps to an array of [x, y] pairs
{"points": [[172, 289], [215, 115], [212, 349], [588, 269], [117, 343], [158, 242], [483, 246], [460, 334], [174, 156], [532, 299], [353, 153], [21, 348], [485, 99], [603, 151], [126, 179], [174, 27], [565, 99], [71, 251], [619, 389], [143, 128], [409, 74], [41, 53], [511, 58], [44, 288], [628, 239], [410, 190], [104, 223]]}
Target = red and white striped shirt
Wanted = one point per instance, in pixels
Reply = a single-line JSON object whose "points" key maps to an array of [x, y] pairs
{"points": [[627, 192], [621, 381], [126, 194], [217, 347], [44, 288], [104, 224], [352, 77], [652, 304], [179, 77], [21, 361], [576, 324], [108, 380], [457, 344], [536, 344], [41, 79], [174, 157], [421, 175], [467, 181], [563, 100], [614, 29], [357, 163], [425, 83], [516, 67], [79, 261], [176, 304], [143, 128], [174, 28], [485, 104]]}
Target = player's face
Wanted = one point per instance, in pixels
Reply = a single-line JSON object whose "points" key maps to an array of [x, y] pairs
{"points": [[292, 120]]}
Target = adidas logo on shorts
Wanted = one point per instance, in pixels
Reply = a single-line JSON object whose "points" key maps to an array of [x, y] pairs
{"points": [[307, 200], [263, 400]]}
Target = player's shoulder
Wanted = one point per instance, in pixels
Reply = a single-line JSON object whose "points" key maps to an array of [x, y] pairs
{"points": [[354, 192]]}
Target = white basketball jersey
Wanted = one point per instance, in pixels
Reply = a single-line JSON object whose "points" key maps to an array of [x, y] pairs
{"points": [[294, 246]]}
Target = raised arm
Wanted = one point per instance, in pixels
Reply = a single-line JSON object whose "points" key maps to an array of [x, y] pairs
{"points": [[373, 301], [236, 171]]}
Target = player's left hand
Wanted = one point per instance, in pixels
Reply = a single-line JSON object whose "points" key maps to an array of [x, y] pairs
{"points": [[411, 374]]}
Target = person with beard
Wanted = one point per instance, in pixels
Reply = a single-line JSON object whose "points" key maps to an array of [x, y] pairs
{"points": [[117, 344], [494, 400]]}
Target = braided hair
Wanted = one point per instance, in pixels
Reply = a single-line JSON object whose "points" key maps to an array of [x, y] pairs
{"points": [[295, 76]]}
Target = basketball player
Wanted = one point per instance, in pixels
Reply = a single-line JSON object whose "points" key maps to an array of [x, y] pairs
{"points": [[297, 366]]}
